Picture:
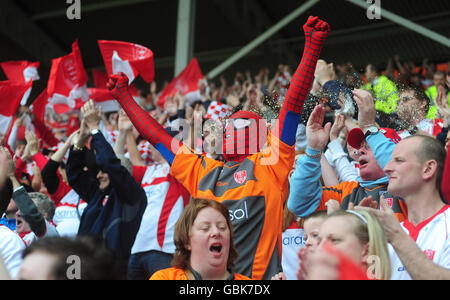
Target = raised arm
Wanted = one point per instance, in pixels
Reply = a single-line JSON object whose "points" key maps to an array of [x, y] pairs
{"points": [[147, 126], [316, 31], [306, 189], [28, 209]]}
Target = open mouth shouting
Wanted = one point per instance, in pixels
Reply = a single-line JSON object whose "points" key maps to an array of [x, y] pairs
{"points": [[362, 163], [216, 249]]}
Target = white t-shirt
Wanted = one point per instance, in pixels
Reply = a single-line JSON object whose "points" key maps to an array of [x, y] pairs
{"points": [[432, 237], [293, 239], [166, 199], [49, 232], [11, 248], [67, 214]]}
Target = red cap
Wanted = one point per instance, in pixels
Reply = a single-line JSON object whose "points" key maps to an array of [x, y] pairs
{"points": [[356, 136]]}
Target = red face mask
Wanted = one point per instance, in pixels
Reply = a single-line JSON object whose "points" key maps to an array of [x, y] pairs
{"points": [[245, 134]]}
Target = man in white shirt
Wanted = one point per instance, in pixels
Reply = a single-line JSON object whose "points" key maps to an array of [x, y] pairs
{"points": [[420, 245]]}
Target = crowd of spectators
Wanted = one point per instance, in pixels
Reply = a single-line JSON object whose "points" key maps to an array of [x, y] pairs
{"points": [[360, 188]]}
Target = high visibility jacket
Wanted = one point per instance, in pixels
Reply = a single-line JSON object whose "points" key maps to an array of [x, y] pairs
{"points": [[385, 93]]}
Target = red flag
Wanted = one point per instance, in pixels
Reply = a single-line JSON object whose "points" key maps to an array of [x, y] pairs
{"points": [[131, 59], [39, 105], [103, 98], [10, 96], [100, 79], [67, 83], [21, 72], [186, 82]]}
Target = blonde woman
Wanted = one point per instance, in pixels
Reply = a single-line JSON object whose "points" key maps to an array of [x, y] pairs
{"points": [[355, 236]]}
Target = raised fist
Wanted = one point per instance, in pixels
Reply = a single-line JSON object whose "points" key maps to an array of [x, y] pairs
{"points": [[316, 30], [117, 84]]}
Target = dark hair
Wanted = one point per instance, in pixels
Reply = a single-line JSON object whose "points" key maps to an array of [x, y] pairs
{"points": [[419, 93], [374, 68], [97, 262], [5, 195], [431, 149]]}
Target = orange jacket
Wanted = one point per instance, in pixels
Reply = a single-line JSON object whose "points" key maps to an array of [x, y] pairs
{"points": [[179, 274]]}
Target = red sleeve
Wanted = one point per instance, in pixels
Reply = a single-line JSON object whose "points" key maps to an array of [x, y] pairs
{"points": [[446, 180], [44, 133], [20, 168], [138, 173], [40, 160]]}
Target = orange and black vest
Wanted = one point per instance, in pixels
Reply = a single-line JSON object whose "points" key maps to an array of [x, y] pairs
{"points": [[254, 192]]}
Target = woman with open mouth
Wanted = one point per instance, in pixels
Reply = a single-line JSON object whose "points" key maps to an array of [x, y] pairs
{"points": [[204, 245]]}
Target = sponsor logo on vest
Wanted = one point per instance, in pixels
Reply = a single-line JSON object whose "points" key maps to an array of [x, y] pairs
{"points": [[239, 213]]}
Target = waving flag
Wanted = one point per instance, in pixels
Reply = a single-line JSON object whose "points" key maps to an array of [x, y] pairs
{"points": [[39, 105], [131, 59], [11, 94], [100, 79], [103, 98], [67, 83], [21, 72], [186, 82]]}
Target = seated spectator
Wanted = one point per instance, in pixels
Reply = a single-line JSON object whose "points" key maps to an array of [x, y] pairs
{"points": [[420, 244], [82, 258], [205, 245], [116, 202]]}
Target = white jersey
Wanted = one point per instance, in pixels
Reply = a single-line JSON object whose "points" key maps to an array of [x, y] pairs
{"points": [[166, 199], [11, 248], [50, 231], [293, 239], [68, 213], [432, 237]]}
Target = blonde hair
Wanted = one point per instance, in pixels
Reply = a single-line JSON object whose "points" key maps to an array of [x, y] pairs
{"points": [[369, 230]]}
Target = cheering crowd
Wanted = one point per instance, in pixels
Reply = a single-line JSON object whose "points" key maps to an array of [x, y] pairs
{"points": [[321, 173]]}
